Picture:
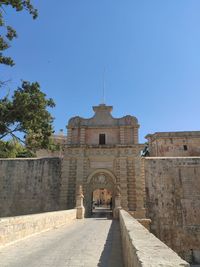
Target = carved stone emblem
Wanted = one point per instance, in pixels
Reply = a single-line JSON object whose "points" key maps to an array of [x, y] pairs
{"points": [[100, 179]]}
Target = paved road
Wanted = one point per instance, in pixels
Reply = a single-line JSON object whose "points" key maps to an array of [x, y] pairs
{"points": [[86, 243]]}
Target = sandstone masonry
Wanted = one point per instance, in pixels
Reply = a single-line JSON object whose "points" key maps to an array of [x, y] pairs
{"points": [[103, 152]]}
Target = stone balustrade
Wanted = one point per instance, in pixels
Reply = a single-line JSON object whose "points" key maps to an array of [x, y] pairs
{"points": [[143, 249], [19, 227]]}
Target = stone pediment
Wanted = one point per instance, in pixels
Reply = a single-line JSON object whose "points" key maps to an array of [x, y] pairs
{"points": [[103, 117]]}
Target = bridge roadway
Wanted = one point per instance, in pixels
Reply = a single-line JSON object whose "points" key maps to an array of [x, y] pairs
{"points": [[90, 242]]}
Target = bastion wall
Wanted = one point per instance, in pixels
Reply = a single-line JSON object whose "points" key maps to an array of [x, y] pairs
{"points": [[173, 203], [29, 186]]}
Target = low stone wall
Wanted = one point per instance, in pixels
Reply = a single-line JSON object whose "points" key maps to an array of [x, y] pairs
{"points": [[143, 249], [19, 227]]}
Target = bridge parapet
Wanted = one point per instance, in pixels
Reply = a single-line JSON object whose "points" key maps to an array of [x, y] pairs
{"points": [[15, 228], [143, 249]]}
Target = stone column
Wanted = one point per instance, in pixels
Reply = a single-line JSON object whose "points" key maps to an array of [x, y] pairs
{"points": [[80, 210], [131, 184], [82, 136], [122, 135], [123, 182], [69, 136], [135, 135], [80, 167]]}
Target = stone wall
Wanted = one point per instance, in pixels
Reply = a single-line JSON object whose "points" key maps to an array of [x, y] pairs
{"points": [[19, 227], [122, 130], [112, 136], [142, 249], [174, 144], [120, 163], [173, 203], [29, 186]]}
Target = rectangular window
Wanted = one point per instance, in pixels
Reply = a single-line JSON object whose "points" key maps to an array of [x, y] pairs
{"points": [[102, 139], [185, 147]]}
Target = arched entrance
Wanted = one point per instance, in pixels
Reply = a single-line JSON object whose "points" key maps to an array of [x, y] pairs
{"points": [[100, 181], [102, 203], [102, 197]]}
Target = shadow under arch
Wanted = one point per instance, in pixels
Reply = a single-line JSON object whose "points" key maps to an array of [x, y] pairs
{"points": [[100, 178]]}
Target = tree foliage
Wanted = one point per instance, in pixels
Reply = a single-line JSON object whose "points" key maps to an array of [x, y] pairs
{"points": [[14, 149], [10, 32], [24, 117], [26, 112]]}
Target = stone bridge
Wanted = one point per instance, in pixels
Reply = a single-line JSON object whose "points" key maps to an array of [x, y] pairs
{"points": [[97, 241]]}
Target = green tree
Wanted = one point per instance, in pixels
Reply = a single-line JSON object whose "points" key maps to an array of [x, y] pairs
{"points": [[14, 149], [10, 32], [27, 112], [24, 117]]}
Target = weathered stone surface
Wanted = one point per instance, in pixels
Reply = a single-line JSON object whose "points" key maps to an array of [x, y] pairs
{"points": [[83, 243], [174, 144], [172, 185], [29, 186], [173, 203], [143, 249], [85, 158], [19, 227]]}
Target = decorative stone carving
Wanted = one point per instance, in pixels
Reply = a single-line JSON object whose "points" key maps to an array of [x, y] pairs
{"points": [[80, 191], [100, 179], [80, 210], [128, 120], [103, 117], [118, 190], [117, 202], [75, 121]]}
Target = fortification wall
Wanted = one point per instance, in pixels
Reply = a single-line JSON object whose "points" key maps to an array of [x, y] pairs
{"points": [[173, 203], [174, 144], [29, 186]]}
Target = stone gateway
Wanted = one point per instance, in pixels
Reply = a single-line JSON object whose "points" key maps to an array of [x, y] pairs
{"points": [[100, 161], [103, 152]]}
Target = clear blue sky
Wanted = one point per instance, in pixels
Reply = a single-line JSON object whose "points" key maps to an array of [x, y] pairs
{"points": [[150, 49]]}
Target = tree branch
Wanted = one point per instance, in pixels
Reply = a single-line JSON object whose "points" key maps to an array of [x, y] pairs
{"points": [[11, 132]]}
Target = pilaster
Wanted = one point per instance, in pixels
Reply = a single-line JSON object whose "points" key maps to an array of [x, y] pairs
{"points": [[131, 184], [123, 182], [69, 136], [135, 135], [80, 168], [82, 136], [122, 135]]}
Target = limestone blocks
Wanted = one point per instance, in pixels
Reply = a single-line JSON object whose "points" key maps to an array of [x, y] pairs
{"points": [[80, 210]]}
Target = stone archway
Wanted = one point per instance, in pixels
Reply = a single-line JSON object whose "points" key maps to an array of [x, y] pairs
{"points": [[100, 178]]}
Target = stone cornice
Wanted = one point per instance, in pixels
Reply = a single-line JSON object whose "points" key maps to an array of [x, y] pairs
{"points": [[102, 118]]}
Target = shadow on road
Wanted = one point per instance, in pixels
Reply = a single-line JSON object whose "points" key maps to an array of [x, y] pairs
{"points": [[112, 252]]}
